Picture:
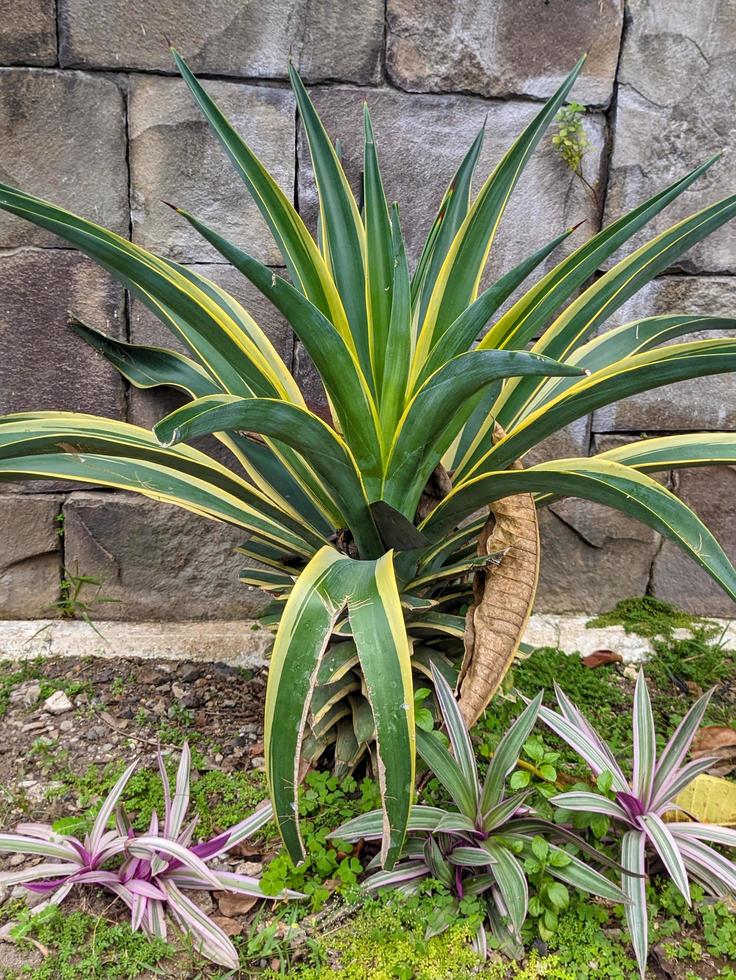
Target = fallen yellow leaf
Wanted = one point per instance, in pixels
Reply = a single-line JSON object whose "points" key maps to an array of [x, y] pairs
{"points": [[709, 799]]}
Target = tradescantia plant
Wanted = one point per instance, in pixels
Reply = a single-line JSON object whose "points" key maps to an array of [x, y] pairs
{"points": [[485, 846], [149, 872], [639, 806], [377, 528]]}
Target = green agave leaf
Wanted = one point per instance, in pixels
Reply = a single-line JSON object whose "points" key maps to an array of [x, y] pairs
{"points": [[343, 379], [150, 367], [675, 452], [379, 254], [450, 216], [468, 326], [615, 345], [60, 445], [299, 428], [312, 609], [397, 361], [377, 623], [607, 483], [610, 292], [342, 227], [532, 311], [306, 266], [434, 416], [457, 282], [640, 372]]}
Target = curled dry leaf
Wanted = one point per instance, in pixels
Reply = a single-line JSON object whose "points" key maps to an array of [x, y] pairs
{"points": [[600, 658], [720, 741]]}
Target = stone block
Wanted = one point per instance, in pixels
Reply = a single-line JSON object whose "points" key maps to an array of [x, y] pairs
{"points": [[592, 557], [159, 561], [504, 47], [175, 157], [29, 32], [325, 38], [703, 403], [711, 492], [674, 109], [421, 141], [63, 139], [44, 365], [30, 555]]}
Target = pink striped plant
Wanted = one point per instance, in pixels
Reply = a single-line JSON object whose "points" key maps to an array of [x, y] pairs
{"points": [[480, 848], [151, 872], [639, 805]]}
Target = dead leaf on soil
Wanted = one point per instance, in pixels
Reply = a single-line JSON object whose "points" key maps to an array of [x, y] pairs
{"points": [[709, 799], [720, 741], [600, 658]]}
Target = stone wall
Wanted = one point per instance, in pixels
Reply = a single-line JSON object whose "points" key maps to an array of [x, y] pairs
{"points": [[92, 116]]}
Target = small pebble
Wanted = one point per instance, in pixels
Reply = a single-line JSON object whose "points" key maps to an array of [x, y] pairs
{"points": [[58, 703]]}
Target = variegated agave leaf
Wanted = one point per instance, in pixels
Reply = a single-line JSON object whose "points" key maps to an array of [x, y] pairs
{"points": [[361, 521]]}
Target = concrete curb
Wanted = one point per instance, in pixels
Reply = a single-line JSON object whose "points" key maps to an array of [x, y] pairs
{"points": [[244, 643]]}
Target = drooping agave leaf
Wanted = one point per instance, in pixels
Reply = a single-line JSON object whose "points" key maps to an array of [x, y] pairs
{"points": [[225, 346], [675, 452], [607, 483], [304, 431], [72, 446], [433, 417]]}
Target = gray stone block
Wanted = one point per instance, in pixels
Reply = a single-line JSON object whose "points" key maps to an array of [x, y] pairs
{"points": [[711, 492], [175, 157], [161, 562], [28, 36], [326, 38], [44, 365], [63, 139], [703, 403], [675, 109], [504, 47], [30, 555], [592, 557], [421, 141]]}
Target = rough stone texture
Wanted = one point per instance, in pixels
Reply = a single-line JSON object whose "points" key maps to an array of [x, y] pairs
{"points": [[30, 555], [63, 137], [417, 168], [175, 157], [161, 562], [28, 36], [44, 365], [522, 47], [248, 38], [675, 109], [591, 557], [704, 403], [711, 492]]}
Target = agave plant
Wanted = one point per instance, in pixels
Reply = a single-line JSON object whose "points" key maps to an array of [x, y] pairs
{"points": [[376, 528], [639, 806], [479, 848], [156, 867]]}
